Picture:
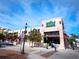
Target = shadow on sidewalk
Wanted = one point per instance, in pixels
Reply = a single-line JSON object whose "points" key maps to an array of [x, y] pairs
{"points": [[48, 54]]}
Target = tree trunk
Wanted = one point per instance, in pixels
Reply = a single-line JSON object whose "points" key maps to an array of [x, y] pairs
{"points": [[32, 43]]}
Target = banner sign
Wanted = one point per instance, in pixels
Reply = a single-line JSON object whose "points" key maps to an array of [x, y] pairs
{"points": [[50, 24]]}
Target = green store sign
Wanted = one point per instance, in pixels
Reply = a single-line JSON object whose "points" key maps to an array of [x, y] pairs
{"points": [[50, 24]]}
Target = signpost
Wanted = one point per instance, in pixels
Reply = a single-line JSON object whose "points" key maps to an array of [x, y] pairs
{"points": [[23, 52]]}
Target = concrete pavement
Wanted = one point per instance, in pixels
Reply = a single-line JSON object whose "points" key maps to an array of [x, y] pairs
{"points": [[35, 53], [61, 54], [66, 54]]}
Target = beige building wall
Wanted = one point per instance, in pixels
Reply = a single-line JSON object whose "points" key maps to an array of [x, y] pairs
{"points": [[2, 30], [58, 27]]}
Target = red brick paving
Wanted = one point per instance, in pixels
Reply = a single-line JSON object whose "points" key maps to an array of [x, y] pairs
{"points": [[9, 54]]}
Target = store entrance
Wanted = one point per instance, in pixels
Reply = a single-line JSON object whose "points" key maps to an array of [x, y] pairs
{"points": [[52, 36], [55, 40]]}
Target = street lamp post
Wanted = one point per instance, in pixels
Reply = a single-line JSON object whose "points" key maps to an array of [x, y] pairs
{"points": [[24, 39]]}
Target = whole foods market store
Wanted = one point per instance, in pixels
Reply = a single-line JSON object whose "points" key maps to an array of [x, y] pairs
{"points": [[53, 31]]}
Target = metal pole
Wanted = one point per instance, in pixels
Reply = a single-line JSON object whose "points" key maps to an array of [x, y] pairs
{"points": [[23, 52]]}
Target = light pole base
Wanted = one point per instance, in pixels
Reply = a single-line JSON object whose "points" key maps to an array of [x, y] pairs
{"points": [[22, 52]]}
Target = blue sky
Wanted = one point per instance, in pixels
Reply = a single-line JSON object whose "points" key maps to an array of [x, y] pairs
{"points": [[15, 13]]}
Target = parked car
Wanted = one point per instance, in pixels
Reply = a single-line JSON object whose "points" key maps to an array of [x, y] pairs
{"points": [[3, 44]]}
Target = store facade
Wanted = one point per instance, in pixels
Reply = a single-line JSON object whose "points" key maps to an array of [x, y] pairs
{"points": [[53, 31]]}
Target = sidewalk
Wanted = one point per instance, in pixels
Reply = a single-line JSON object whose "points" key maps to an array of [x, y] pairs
{"points": [[66, 54], [60, 54], [33, 53], [43, 53], [40, 53]]}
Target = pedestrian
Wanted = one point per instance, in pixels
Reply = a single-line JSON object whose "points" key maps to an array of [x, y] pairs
{"points": [[54, 46], [47, 46]]}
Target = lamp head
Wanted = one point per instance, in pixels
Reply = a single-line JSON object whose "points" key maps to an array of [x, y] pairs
{"points": [[26, 25]]}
